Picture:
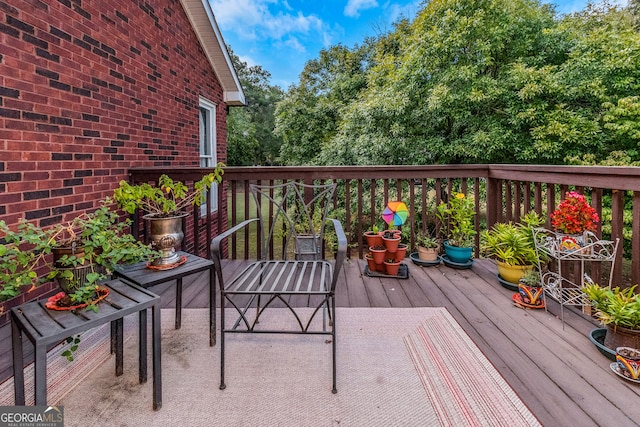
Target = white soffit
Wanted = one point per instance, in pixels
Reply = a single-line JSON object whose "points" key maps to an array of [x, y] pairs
{"points": [[206, 28]]}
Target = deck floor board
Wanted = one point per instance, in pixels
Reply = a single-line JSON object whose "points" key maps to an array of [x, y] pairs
{"points": [[556, 371]]}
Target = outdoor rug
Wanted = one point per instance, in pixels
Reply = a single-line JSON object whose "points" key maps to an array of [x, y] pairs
{"points": [[396, 367], [63, 375]]}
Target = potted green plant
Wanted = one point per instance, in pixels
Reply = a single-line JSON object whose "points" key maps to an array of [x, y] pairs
{"points": [[91, 246], [619, 310], [164, 207], [427, 246], [456, 216], [513, 247], [373, 236], [392, 266]]}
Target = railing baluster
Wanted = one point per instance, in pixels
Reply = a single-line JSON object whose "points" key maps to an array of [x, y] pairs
{"points": [[635, 240], [234, 217], [537, 197], [617, 218], [551, 202], [517, 213], [508, 202]]}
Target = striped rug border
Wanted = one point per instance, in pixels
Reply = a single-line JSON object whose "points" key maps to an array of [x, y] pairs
{"points": [[462, 385]]}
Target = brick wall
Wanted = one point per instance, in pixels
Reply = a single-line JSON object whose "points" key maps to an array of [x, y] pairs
{"points": [[89, 89]]}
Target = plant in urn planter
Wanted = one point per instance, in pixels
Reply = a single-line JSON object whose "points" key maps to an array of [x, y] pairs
{"points": [[164, 206]]}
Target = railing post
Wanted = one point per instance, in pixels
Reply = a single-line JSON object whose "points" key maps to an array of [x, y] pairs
{"points": [[635, 239], [617, 211], [493, 201]]}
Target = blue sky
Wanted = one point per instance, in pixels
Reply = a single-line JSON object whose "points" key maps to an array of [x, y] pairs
{"points": [[282, 35]]}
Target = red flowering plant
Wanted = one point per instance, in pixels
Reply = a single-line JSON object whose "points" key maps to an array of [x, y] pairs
{"points": [[574, 215]]}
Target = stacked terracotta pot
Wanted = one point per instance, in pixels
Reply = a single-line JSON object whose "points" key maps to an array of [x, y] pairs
{"points": [[385, 251]]}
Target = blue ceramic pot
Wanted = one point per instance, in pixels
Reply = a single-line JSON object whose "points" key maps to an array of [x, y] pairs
{"points": [[456, 253]]}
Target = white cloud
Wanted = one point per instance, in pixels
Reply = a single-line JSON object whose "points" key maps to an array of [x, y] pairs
{"points": [[571, 6], [354, 7], [252, 19], [295, 44], [396, 11], [248, 60]]}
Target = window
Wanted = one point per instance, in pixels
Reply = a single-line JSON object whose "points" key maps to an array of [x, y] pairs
{"points": [[208, 147]]}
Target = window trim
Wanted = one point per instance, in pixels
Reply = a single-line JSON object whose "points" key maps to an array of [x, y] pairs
{"points": [[212, 159]]}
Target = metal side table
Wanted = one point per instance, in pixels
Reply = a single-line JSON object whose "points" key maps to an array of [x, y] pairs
{"points": [[142, 276], [44, 327]]}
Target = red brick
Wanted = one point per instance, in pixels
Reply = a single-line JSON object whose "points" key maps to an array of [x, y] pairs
{"points": [[8, 198], [41, 178], [20, 166], [21, 145], [22, 207], [19, 125]]}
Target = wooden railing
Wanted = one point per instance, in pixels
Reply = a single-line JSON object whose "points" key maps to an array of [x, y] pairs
{"points": [[501, 193]]}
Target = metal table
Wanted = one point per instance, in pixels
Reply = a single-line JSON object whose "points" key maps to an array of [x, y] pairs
{"points": [[142, 276], [44, 327]]}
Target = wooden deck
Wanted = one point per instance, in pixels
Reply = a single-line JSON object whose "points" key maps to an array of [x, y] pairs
{"points": [[557, 372]]}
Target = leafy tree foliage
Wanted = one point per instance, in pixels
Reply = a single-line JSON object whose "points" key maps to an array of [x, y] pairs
{"points": [[310, 114], [250, 136], [475, 81]]}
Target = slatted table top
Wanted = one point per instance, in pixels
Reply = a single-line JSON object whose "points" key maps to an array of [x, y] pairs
{"points": [[41, 323], [145, 277]]}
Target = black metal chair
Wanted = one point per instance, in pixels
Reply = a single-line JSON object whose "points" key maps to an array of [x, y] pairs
{"points": [[291, 222]]}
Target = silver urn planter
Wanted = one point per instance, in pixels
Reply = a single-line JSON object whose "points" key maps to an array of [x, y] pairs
{"points": [[165, 235]]}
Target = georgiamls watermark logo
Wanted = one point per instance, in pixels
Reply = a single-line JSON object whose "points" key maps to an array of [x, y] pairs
{"points": [[31, 416]]}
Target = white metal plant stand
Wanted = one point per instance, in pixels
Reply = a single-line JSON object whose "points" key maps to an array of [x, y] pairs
{"points": [[554, 284]]}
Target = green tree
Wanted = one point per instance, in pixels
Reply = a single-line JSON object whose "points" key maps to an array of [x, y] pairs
{"points": [[444, 97], [250, 136], [309, 115]]}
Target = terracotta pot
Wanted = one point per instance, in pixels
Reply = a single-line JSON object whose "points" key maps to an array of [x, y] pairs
{"points": [[391, 243], [618, 336], [378, 254], [401, 252], [370, 262], [427, 254], [373, 238], [512, 273], [392, 267]]}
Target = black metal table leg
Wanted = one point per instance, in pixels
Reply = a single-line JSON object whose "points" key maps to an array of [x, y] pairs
{"points": [[178, 302], [142, 346], [157, 364], [18, 363]]}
